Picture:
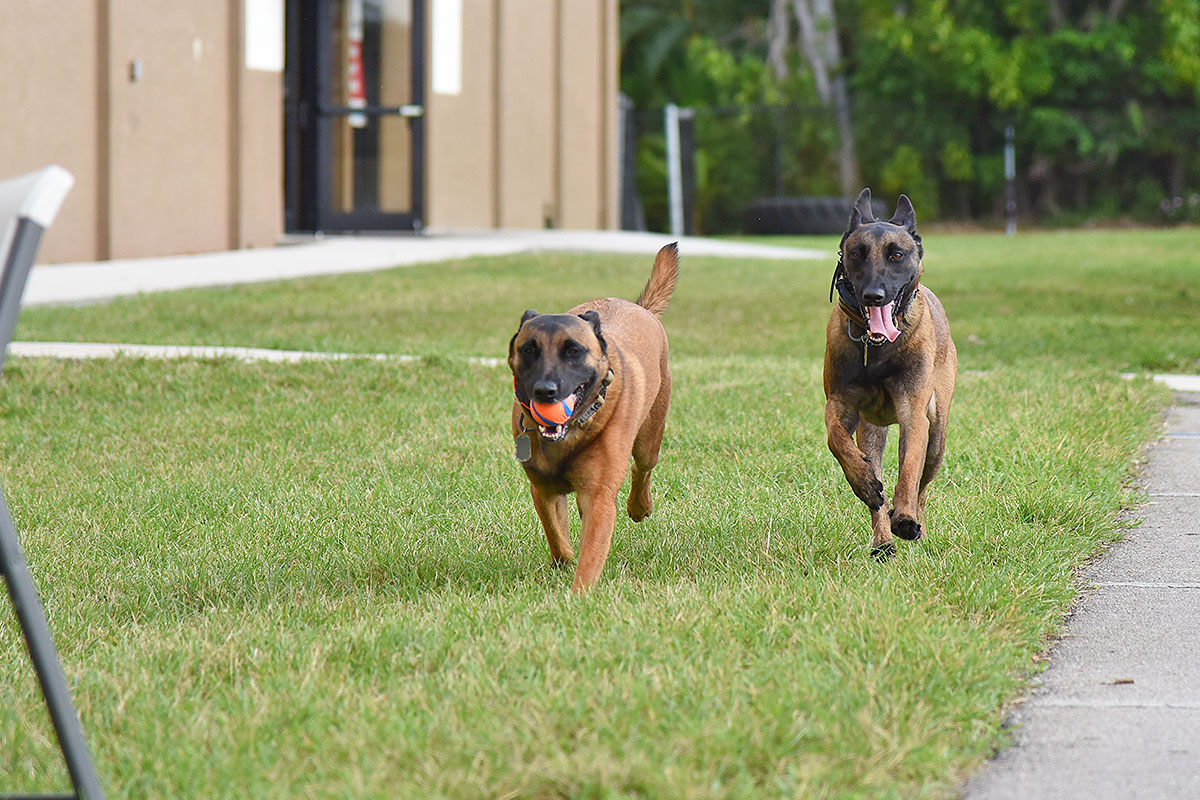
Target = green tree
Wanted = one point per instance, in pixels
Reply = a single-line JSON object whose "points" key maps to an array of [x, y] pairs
{"points": [[1104, 96]]}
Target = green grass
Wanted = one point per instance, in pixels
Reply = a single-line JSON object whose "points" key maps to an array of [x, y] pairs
{"points": [[327, 579]]}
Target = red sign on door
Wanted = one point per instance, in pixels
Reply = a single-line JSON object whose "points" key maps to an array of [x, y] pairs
{"points": [[356, 78]]}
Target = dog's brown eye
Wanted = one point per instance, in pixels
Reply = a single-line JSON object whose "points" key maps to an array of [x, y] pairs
{"points": [[897, 255], [530, 350]]}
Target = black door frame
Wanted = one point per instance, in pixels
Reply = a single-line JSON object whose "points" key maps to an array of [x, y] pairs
{"points": [[308, 126]]}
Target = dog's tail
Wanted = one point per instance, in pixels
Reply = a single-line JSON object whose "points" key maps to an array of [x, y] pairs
{"points": [[657, 294]]}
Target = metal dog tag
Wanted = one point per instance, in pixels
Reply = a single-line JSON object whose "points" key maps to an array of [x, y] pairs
{"points": [[523, 451]]}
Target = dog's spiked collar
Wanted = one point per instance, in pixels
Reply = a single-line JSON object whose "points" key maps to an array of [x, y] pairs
{"points": [[849, 304], [582, 419]]}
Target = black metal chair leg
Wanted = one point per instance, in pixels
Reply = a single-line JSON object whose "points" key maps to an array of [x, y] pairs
{"points": [[28, 204], [32, 620]]}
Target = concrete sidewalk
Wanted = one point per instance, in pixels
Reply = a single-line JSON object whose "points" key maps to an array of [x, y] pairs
{"points": [[1117, 712], [103, 280]]}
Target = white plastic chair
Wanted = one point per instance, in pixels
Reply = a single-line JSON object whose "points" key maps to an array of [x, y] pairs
{"points": [[28, 204]]}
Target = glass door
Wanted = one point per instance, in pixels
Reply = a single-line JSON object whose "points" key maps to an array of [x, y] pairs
{"points": [[356, 104]]}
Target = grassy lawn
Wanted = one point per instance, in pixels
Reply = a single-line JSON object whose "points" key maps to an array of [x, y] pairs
{"points": [[327, 579]]}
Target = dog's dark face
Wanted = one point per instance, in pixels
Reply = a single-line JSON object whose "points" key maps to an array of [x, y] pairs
{"points": [[553, 356], [882, 260]]}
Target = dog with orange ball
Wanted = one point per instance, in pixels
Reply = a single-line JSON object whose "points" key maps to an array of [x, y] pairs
{"points": [[592, 390]]}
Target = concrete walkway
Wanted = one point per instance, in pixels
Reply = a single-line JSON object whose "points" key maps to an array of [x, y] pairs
{"points": [[1117, 712], [104, 280], [79, 351]]}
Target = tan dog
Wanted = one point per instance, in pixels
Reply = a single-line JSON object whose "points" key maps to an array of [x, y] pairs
{"points": [[607, 359], [889, 360]]}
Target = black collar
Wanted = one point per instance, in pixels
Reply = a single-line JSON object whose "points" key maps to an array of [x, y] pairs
{"points": [[847, 299]]}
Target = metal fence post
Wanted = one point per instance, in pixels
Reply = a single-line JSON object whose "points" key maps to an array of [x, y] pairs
{"points": [[674, 169], [1010, 181]]}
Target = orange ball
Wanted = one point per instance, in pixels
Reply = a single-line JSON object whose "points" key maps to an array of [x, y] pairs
{"points": [[554, 413]]}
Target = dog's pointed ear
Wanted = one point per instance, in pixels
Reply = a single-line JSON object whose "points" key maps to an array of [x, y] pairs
{"points": [[594, 319], [905, 217], [861, 212], [528, 315]]}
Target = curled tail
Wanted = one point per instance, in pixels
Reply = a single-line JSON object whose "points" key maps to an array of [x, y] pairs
{"points": [[657, 294]]}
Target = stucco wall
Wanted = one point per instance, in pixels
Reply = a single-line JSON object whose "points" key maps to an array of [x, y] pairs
{"points": [[175, 146], [186, 156], [260, 159], [584, 79], [51, 95], [530, 138], [170, 129], [461, 129], [527, 99]]}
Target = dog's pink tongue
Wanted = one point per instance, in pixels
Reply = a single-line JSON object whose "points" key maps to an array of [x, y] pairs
{"points": [[880, 321]]}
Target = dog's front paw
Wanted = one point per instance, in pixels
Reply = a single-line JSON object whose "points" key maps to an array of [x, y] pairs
{"points": [[906, 527], [870, 491], [884, 552]]}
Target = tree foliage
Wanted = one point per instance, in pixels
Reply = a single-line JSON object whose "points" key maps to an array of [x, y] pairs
{"points": [[1104, 96]]}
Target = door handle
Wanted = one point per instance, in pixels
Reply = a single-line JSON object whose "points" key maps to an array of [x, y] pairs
{"points": [[411, 111]]}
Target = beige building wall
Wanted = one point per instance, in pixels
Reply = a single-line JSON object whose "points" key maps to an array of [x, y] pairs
{"points": [[460, 131], [259, 191], [175, 145], [584, 83], [51, 93], [527, 99], [170, 129], [530, 139]]}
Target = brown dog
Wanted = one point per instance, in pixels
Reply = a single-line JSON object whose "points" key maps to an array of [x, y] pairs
{"points": [[607, 360], [889, 360]]}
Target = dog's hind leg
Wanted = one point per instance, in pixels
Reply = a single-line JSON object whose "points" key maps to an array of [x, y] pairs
{"points": [[871, 440], [552, 511], [645, 454]]}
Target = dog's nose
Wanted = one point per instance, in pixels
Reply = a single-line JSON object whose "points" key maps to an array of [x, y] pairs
{"points": [[873, 296], [545, 391]]}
